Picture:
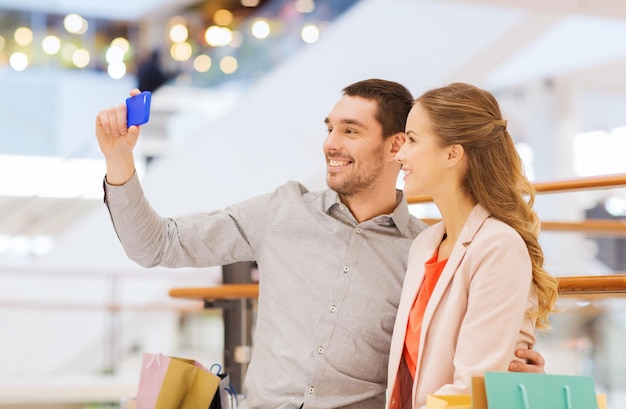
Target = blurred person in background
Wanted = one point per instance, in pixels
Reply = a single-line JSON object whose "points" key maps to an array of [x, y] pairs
{"points": [[150, 73]]}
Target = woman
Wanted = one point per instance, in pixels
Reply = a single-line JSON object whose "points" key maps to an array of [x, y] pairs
{"points": [[475, 287]]}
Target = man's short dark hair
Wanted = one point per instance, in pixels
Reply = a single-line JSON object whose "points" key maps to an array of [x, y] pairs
{"points": [[393, 99]]}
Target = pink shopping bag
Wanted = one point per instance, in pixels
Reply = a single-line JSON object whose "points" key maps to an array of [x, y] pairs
{"points": [[169, 382]]}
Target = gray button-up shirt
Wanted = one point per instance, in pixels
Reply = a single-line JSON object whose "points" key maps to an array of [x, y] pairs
{"points": [[329, 286]]}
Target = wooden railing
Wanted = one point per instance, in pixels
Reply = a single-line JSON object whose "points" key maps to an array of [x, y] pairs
{"points": [[558, 186], [613, 228], [592, 287], [583, 287], [221, 292], [578, 287]]}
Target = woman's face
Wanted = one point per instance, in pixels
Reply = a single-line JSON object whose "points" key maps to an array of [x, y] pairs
{"points": [[422, 158]]}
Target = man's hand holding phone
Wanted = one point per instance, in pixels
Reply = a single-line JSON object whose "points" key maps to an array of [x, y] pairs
{"points": [[117, 131]]}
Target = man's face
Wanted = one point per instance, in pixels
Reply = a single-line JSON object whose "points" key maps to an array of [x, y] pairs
{"points": [[354, 147]]}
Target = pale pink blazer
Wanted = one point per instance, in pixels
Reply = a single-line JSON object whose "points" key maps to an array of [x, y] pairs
{"points": [[477, 314]]}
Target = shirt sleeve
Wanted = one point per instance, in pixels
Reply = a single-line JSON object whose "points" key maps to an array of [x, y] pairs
{"points": [[195, 240]]}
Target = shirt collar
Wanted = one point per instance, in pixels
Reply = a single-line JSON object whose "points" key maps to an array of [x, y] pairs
{"points": [[400, 217]]}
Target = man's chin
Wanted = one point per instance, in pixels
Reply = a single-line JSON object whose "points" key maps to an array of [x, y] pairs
{"points": [[333, 183], [340, 188]]}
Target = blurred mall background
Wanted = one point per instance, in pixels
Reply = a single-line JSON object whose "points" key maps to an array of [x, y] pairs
{"points": [[248, 84]]}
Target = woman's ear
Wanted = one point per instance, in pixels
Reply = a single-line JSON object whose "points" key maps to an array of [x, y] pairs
{"points": [[455, 154]]}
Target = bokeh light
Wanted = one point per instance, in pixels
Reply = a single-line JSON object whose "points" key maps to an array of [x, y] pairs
{"points": [[67, 50], [114, 54], [121, 43], [305, 6], [260, 29], [23, 36], [179, 33], [181, 51], [223, 17], [80, 58], [228, 64], [18, 61], [202, 63], [75, 24], [217, 36], [51, 44], [116, 70], [310, 33], [237, 39]]}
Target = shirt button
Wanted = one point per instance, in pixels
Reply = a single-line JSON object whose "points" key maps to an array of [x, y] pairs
{"points": [[333, 308], [358, 230], [341, 207], [320, 350], [311, 390], [346, 269]]}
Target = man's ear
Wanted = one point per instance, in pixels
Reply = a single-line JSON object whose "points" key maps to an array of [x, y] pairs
{"points": [[397, 140]]}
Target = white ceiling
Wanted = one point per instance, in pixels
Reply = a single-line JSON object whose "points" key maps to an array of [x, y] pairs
{"points": [[605, 8], [130, 10], [108, 9]]}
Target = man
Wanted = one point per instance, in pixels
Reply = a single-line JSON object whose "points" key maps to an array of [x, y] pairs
{"points": [[332, 262]]}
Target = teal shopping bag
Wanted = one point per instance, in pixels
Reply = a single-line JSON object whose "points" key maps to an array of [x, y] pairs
{"points": [[510, 390]]}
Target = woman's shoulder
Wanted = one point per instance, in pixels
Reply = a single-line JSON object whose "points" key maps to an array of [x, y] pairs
{"points": [[497, 237]]}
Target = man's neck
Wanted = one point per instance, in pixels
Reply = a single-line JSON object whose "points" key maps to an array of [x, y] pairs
{"points": [[367, 205]]}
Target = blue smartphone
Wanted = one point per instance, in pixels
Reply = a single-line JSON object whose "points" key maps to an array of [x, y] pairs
{"points": [[138, 109]]}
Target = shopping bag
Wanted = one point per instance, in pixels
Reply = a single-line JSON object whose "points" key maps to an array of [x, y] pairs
{"points": [[169, 382], [510, 390], [449, 402], [226, 398]]}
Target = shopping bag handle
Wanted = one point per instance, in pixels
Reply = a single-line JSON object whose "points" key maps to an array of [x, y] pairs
{"points": [[219, 369], [234, 402], [522, 389], [566, 389], [568, 397]]}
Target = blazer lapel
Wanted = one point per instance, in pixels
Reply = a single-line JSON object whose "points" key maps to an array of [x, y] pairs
{"points": [[413, 282]]}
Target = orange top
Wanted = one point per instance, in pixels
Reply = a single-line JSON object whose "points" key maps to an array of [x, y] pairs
{"points": [[433, 269], [401, 395]]}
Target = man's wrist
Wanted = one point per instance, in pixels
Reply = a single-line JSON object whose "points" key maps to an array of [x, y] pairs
{"points": [[119, 172]]}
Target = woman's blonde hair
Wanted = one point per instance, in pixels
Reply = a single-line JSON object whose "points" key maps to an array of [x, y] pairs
{"points": [[469, 116]]}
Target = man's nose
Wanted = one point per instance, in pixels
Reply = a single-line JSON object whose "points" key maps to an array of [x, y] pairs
{"points": [[332, 141]]}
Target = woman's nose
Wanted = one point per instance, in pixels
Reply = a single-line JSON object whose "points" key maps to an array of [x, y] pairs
{"points": [[399, 156]]}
